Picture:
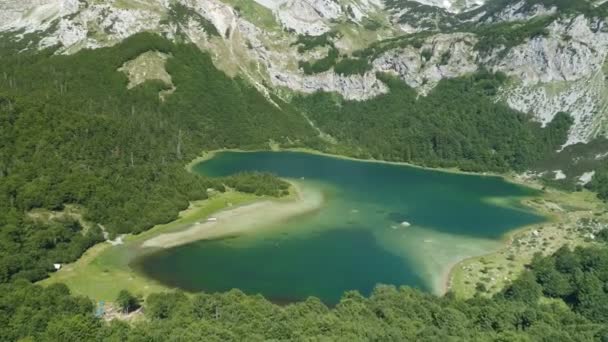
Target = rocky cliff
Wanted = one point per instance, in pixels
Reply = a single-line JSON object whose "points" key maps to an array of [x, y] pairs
{"points": [[555, 57]]}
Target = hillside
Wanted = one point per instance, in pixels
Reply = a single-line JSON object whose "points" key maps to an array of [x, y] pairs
{"points": [[103, 103], [553, 53]]}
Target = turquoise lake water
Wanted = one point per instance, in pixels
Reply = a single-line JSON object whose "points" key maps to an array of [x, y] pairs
{"points": [[358, 238]]}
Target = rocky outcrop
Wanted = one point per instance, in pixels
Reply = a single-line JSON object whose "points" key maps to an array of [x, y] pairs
{"points": [[354, 87], [308, 16], [34, 15], [561, 72], [69, 23], [222, 16], [314, 17], [441, 56], [573, 49]]}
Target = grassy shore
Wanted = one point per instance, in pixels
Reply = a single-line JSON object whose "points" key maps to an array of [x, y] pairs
{"points": [[104, 269], [573, 219]]}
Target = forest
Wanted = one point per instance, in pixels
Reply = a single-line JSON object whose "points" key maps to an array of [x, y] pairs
{"points": [[72, 133], [457, 125], [562, 297]]}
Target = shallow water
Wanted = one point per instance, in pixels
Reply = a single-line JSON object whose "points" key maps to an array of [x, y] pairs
{"points": [[380, 223]]}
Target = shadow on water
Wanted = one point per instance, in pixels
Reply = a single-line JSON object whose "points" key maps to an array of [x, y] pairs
{"points": [[324, 265]]}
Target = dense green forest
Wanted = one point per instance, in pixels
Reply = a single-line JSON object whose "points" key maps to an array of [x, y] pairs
{"points": [[457, 125], [119, 153], [563, 297], [72, 133]]}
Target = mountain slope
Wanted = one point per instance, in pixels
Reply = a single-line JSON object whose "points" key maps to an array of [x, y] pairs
{"points": [[553, 51], [103, 102]]}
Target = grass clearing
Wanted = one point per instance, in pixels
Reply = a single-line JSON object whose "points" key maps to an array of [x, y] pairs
{"points": [[147, 66], [104, 269]]}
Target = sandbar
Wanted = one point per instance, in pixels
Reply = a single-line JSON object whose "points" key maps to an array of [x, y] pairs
{"points": [[242, 219]]}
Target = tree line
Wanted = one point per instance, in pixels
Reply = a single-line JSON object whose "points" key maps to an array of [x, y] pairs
{"points": [[459, 124], [562, 297]]}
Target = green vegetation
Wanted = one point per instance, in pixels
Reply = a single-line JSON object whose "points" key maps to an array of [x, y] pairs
{"points": [[352, 66], [573, 219], [599, 183], [457, 125], [117, 152], [563, 6], [603, 236], [127, 301], [376, 49], [72, 133], [574, 279], [103, 271], [574, 160], [180, 14], [342, 65], [258, 183], [306, 43], [320, 65], [371, 24], [28, 248], [510, 34], [577, 278]]}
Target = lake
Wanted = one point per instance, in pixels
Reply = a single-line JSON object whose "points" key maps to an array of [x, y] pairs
{"points": [[379, 223]]}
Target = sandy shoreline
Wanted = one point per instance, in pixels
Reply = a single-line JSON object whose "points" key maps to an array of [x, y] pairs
{"points": [[242, 219]]}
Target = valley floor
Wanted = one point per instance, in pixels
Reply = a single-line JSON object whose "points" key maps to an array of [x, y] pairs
{"points": [[105, 269]]}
